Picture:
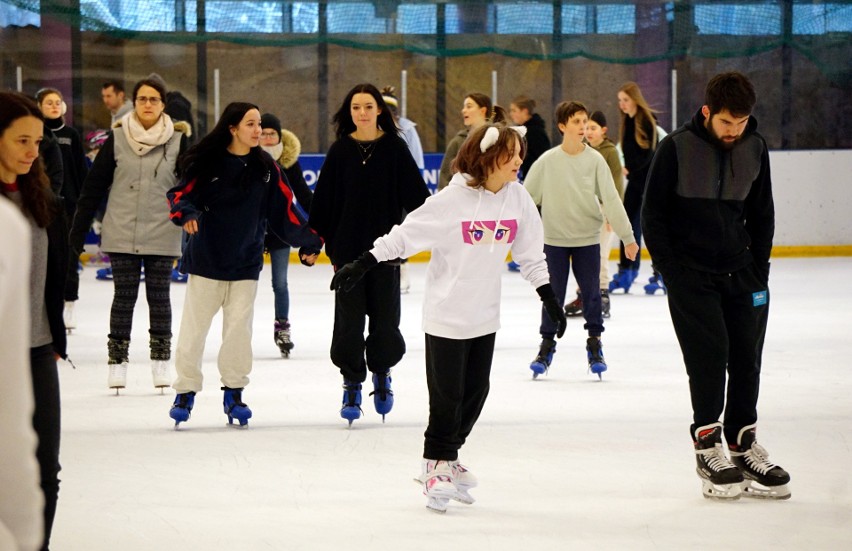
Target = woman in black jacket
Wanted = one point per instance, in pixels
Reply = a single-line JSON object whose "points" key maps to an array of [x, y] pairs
{"points": [[23, 181]]}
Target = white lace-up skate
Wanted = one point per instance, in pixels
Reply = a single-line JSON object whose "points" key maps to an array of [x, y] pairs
{"points": [[160, 374], [720, 479], [68, 317], [763, 479], [117, 378]]}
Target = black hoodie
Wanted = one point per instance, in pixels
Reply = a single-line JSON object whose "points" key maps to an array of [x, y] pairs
{"points": [[707, 207]]}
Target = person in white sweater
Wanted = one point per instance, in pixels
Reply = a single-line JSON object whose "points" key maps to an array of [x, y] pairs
{"points": [[469, 228], [573, 187]]}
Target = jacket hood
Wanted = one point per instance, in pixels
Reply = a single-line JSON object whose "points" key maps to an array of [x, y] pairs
{"points": [[292, 149]]}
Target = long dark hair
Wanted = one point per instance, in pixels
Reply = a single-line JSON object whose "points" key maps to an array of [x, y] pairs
{"points": [[343, 122], [38, 199], [202, 159], [493, 112]]}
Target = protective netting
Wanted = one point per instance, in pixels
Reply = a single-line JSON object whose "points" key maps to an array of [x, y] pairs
{"points": [[532, 30]]}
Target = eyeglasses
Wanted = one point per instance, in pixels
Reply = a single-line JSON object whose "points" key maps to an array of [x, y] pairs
{"points": [[153, 101], [272, 134]]}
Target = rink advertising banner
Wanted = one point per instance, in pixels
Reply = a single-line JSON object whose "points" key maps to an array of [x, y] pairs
{"points": [[312, 164]]}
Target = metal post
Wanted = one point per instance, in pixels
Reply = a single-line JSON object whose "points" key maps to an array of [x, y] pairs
{"points": [[403, 94], [674, 99], [215, 96], [19, 76], [493, 87]]}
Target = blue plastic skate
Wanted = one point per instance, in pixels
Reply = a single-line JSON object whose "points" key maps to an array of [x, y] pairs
{"points": [[623, 280], [234, 406], [182, 407], [541, 364], [104, 274], [594, 352], [513, 266], [351, 409], [655, 283], [178, 276], [382, 394]]}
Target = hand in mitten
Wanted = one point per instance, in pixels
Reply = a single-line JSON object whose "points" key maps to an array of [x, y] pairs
{"points": [[553, 309], [347, 276]]}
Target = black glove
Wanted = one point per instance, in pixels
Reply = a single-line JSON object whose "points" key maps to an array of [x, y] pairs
{"points": [[553, 309], [307, 251], [347, 276]]}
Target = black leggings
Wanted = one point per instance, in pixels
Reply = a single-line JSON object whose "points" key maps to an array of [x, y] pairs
{"points": [[46, 422], [126, 269]]}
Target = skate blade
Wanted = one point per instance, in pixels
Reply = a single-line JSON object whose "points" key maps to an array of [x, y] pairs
{"points": [[721, 492], [462, 496], [437, 505], [754, 490]]}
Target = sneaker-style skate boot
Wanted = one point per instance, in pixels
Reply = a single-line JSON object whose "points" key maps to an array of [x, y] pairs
{"points": [[623, 279], [182, 408], [655, 283], [161, 353], [351, 409], [382, 394], [282, 337], [68, 317], [594, 353], [438, 486], [464, 480], [541, 364], [118, 352], [234, 406], [763, 479], [605, 303], [574, 308], [720, 479]]}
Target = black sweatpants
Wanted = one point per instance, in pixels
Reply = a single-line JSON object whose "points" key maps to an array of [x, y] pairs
{"points": [[633, 207], [126, 269], [720, 322], [457, 375], [46, 422], [376, 296]]}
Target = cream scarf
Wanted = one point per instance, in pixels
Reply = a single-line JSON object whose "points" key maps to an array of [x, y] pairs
{"points": [[143, 141], [274, 151]]}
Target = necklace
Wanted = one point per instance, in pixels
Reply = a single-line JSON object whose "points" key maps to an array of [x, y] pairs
{"points": [[366, 149]]}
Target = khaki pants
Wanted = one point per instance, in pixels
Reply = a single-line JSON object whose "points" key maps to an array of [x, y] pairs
{"points": [[606, 247], [204, 298]]}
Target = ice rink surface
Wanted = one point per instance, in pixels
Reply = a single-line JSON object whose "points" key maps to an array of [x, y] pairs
{"points": [[564, 462]]}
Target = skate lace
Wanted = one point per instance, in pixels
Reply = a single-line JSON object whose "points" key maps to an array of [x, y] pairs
{"points": [[757, 458], [715, 458]]}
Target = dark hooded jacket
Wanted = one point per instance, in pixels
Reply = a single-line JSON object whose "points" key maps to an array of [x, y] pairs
{"points": [[707, 207], [537, 142]]}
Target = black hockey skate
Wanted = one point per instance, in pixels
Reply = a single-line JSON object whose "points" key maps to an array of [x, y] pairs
{"points": [[720, 479], [574, 308], [541, 364], [282, 337], [763, 479]]}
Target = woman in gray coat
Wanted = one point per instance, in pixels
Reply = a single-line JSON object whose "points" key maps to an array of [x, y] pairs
{"points": [[133, 171]]}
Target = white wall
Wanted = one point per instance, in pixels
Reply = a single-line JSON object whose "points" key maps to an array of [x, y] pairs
{"points": [[813, 197]]}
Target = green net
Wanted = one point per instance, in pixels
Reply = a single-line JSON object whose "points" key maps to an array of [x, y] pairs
{"points": [[611, 31]]}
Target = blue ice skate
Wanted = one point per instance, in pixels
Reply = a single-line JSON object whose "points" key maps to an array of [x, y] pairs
{"points": [[541, 364], [234, 406], [382, 394], [655, 283], [178, 276], [513, 266], [594, 352], [182, 407], [104, 274], [351, 409], [623, 279]]}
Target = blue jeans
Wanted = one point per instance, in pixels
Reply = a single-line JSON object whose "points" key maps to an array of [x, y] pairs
{"points": [[280, 262]]}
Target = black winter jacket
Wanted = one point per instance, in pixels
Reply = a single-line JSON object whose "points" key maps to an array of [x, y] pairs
{"points": [[707, 207]]}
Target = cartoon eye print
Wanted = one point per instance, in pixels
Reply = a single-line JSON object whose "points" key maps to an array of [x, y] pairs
{"points": [[476, 234]]}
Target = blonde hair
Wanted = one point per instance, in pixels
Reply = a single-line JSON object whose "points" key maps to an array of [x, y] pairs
{"points": [[644, 113]]}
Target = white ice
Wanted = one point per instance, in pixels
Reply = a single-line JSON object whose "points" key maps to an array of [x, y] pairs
{"points": [[564, 462]]}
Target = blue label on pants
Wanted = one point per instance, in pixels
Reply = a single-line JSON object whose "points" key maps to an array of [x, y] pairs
{"points": [[758, 298]]}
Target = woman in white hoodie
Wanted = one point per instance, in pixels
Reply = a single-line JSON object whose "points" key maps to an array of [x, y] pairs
{"points": [[469, 228]]}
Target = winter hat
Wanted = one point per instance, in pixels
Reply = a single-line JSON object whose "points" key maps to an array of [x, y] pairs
{"points": [[599, 118], [268, 120]]}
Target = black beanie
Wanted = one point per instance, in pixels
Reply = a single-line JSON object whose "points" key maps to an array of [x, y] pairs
{"points": [[268, 120], [599, 118]]}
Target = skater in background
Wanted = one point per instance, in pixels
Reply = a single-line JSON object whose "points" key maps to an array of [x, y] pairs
{"points": [[284, 147], [522, 112], [23, 181], [74, 170], [132, 173], [368, 181], [637, 137], [21, 501], [477, 110], [408, 131], [712, 241], [113, 96], [230, 193], [469, 229], [596, 137], [573, 186]]}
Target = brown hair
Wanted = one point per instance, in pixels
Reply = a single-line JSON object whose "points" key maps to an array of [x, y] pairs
{"points": [[644, 114], [732, 91], [567, 109], [471, 160], [523, 102], [37, 197], [493, 112]]}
